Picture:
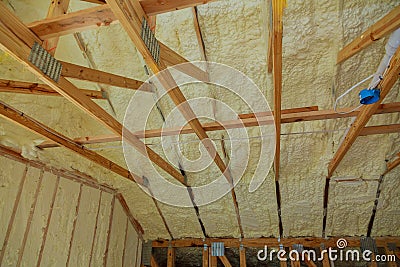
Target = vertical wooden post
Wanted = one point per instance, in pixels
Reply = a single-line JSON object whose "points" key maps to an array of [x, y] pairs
{"points": [[389, 252], [205, 256], [171, 257], [242, 255], [213, 259]]}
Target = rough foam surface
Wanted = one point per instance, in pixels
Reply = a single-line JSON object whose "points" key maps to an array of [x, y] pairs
{"points": [[235, 33]]}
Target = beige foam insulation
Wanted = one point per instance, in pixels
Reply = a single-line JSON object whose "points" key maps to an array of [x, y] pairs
{"points": [[387, 220], [117, 236], [21, 217], [84, 229], [139, 253], [10, 178], [131, 245], [234, 34], [61, 224], [39, 220], [100, 240]]}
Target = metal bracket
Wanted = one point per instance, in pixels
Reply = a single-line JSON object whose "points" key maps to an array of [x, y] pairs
{"points": [[44, 61], [217, 249], [368, 243], [150, 41]]}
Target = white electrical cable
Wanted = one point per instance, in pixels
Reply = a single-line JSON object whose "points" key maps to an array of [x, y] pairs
{"points": [[348, 91]]}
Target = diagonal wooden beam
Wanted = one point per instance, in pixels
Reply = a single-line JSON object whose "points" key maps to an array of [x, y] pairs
{"points": [[24, 120], [393, 164], [8, 86], [277, 31], [153, 262], [57, 8], [215, 126], [366, 112], [17, 40], [92, 75], [225, 261], [130, 14], [382, 27]]}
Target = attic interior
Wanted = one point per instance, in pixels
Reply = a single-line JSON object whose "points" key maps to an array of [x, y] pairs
{"points": [[199, 132]]}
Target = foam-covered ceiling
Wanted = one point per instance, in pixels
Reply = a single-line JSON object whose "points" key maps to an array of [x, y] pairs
{"points": [[235, 34]]}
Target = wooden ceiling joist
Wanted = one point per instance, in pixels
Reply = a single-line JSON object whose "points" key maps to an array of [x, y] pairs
{"points": [[22, 119], [92, 75], [310, 242], [57, 8], [384, 26], [214, 126], [130, 14], [17, 40], [366, 112], [277, 32], [17, 87], [155, 7]]}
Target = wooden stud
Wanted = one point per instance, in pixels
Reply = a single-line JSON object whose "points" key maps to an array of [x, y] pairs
{"points": [[248, 122], [309, 263], [277, 30], [29, 222], [283, 263], [366, 113], [46, 229], [14, 212], [242, 256], [8, 86], [17, 40], [325, 259], [384, 26], [153, 262], [205, 257], [393, 164], [57, 8], [171, 257], [81, 20], [213, 260], [125, 239], [391, 253], [105, 256], [78, 204], [95, 228], [225, 261]]}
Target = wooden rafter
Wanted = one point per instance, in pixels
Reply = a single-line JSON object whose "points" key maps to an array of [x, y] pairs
{"points": [[393, 164], [311, 242], [8, 86], [366, 113], [130, 15], [214, 126], [384, 26], [277, 32], [57, 8], [17, 40], [37, 127]]}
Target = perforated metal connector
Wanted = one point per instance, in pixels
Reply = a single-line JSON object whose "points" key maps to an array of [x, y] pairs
{"points": [[45, 62], [150, 41], [217, 249]]}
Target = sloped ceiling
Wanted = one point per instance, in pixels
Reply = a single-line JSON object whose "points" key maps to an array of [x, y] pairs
{"points": [[235, 34]]}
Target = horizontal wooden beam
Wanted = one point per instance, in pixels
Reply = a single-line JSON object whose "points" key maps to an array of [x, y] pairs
{"points": [[384, 26], [155, 7], [39, 128], [73, 22], [87, 74], [249, 122], [311, 242], [284, 111], [366, 112], [17, 87]]}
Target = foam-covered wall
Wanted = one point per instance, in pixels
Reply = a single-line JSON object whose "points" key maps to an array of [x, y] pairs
{"points": [[51, 220]]}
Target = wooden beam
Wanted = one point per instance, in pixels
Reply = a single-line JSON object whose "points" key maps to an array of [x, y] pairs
{"points": [[277, 31], [100, 2], [171, 257], [136, 225], [17, 40], [131, 19], [153, 262], [252, 122], [205, 257], [57, 8], [366, 112], [8, 86], [284, 111], [242, 256], [225, 261], [37, 127], [213, 260], [384, 26], [155, 7], [389, 252], [393, 164], [92, 75], [77, 21], [309, 263], [325, 259], [199, 35], [311, 242]]}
